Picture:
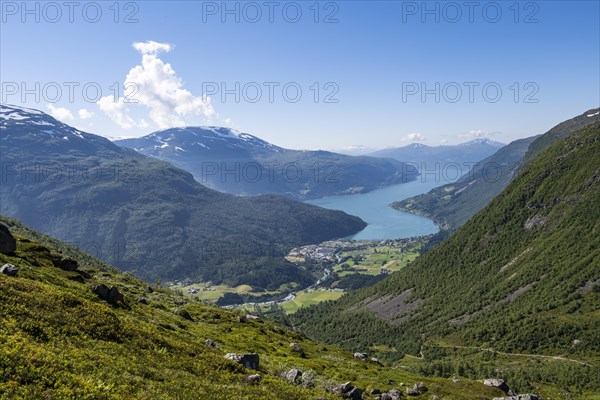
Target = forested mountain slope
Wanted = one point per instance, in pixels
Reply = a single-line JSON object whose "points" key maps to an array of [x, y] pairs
{"points": [[522, 276], [146, 216]]}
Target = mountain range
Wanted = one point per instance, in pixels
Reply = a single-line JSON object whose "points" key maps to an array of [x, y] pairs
{"points": [[519, 281], [513, 294], [242, 164], [450, 160], [147, 216], [451, 205]]}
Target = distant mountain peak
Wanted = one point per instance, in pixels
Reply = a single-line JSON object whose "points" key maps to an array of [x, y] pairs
{"points": [[355, 150], [483, 141], [198, 130], [183, 139]]}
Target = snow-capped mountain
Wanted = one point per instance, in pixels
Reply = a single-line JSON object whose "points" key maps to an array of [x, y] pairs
{"points": [[243, 164], [199, 140], [21, 126], [144, 214]]}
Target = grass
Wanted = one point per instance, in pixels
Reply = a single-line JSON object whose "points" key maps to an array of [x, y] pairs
{"points": [[58, 340], [213, 292], [307, 298], [372, 260]]}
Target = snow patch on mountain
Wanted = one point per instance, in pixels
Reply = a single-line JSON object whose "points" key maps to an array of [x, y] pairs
{"points": [[201, 144], [16, 113], [39, 123], [203, 136]]}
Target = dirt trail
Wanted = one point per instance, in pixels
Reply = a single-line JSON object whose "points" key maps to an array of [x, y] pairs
{"points": [[513, 354]]}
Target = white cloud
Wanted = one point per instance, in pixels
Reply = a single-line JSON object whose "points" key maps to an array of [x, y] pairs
{"points": [[413, 137], [155, 85], [476, 133], [85, 114], [229, 123], [443, 141], [152, 47], [117, 111], [60, 113]]}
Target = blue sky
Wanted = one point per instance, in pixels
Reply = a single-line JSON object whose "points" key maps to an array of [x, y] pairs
{"points": [[369, 60]]}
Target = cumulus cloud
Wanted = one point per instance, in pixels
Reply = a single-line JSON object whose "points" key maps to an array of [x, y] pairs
{"points": [[60, 113], [85, 114], [155, 85], [413, 137], [117, 111], [152, 47]]}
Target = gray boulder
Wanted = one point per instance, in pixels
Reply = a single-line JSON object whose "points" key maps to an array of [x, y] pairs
{"points": [[519, 397], [349, 391], [9, 269], [393, 394], [420, 387], [84, 274], [254, 379], [346, 387], [184, 314], [416, 390], [294, 376], [112, 294], [65, 264], [498, 384], [354, 394], [8, 243], [297, 349], [249, 361], [361, 356], [211, 344]]}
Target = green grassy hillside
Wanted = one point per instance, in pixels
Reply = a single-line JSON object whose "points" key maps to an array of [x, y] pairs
{"points": [[520, 278], [59, 340]]}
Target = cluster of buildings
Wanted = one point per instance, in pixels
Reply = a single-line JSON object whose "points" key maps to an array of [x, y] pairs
{"points": [[325, 251]]}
